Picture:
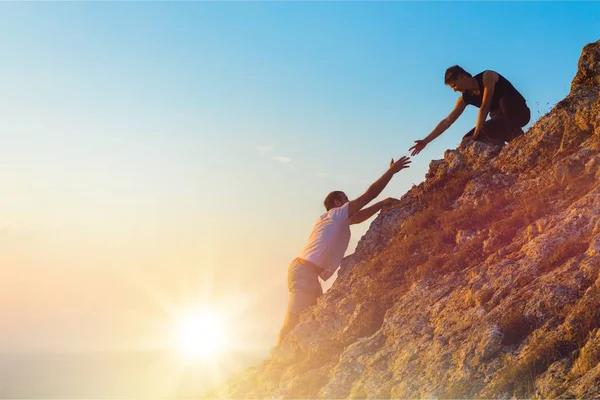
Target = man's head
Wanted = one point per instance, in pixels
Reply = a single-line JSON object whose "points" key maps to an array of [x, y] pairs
{"points": [[335, 199], [457, 78]]}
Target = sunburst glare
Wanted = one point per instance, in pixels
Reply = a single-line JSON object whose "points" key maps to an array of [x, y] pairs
{"points": [[201, 335]]}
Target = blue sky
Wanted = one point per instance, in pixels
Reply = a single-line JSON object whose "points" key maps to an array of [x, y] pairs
{"points": [[175, 140]]}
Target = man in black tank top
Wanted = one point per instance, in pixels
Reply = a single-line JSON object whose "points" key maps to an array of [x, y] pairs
{"points": [[492, 94]]}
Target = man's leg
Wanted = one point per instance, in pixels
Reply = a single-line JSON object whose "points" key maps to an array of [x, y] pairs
{"points": [[517, 115], [305, 289], [290, 321], [493, 132]]}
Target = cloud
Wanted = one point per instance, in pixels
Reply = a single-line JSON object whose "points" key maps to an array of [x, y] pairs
{"points": [[282, 159], [265, 148]]}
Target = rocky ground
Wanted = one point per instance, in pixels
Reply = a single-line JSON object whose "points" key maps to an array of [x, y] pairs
{"points": [[482, 282]]}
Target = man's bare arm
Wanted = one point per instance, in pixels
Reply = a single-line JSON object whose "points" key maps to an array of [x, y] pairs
{"points": [[368, 212], [444, 124], [377, 187], [489, 83]]}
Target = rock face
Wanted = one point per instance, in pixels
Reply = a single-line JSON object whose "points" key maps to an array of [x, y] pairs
{"points": [[482, 282]]}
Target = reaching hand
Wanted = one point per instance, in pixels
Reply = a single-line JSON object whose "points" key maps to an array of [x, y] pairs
{"points": [[419, 145], [401, 164]]}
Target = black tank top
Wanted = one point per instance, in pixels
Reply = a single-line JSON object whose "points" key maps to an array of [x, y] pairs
{"points": [[503, 87]]}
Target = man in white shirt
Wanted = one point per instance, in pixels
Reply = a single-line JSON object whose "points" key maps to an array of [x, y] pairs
{"points": [[327, 244]]}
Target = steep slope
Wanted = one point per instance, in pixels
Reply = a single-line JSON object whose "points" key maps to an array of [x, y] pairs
{"points": [[482, 282]]}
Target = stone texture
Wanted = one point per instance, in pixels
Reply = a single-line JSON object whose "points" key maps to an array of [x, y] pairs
{"points": [[483, 282]]}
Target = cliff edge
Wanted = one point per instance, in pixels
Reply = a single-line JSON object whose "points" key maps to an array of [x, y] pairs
{"points": [[482, 282]]}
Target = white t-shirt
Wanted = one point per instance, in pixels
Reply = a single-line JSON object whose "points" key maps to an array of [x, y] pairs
{"points": [[328, 241]]}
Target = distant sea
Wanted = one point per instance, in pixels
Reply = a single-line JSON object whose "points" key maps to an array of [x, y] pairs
{"points": [[114, 375]]}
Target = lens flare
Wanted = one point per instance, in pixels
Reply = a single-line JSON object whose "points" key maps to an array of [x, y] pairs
{"points": [[201, 335]]}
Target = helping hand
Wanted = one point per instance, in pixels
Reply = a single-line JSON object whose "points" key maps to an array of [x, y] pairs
{"points": [[401, 164], [419, 145]]}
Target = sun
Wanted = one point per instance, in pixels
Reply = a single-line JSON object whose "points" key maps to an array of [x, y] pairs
{"points": [[201, 335]]}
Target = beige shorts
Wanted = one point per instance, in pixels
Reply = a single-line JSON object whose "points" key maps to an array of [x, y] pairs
{"points": [[303, 285]]}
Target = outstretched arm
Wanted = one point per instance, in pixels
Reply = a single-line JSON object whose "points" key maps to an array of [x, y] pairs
{"points": [[368, 212], [377, 187], [444, 124]]}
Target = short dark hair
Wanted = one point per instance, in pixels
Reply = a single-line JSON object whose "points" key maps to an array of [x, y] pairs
{"points": [[333, 196], [453, 72]]}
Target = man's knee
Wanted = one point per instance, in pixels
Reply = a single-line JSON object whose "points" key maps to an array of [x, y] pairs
{"points": [[526, 117]]}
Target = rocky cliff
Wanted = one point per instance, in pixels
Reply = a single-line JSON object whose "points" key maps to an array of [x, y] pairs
{"points": [[482, 282]]}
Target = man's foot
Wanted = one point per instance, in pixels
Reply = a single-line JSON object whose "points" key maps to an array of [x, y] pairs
{"points": [[514, 133]]}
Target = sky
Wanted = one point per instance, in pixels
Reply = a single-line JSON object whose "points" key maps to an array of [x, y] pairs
{"points": [[158, 156]]}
